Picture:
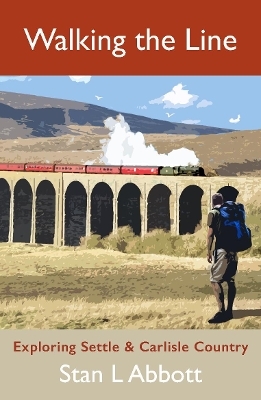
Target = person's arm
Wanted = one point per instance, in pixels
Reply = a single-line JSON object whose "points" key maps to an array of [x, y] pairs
{"points": [[210, 237]]}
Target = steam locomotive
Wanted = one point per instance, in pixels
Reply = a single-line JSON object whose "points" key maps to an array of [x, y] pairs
{"points": [[103, 169]]}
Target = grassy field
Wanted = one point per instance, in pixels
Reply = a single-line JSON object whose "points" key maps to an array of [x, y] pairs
{"points": [[123, 282], [43, 287]]}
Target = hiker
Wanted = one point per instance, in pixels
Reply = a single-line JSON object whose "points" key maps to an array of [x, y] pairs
{"points": [[226, 223]]}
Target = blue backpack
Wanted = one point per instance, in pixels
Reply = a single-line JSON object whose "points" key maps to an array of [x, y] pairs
{"points": [[234, 232]]}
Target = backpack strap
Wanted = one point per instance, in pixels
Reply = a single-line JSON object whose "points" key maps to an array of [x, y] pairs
{"points": [[215, 211]]}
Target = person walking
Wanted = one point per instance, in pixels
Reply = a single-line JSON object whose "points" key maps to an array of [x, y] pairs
{"points": [[224, 262]]}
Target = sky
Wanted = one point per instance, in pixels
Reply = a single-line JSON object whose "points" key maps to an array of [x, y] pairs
{"points": [[218, 101]]}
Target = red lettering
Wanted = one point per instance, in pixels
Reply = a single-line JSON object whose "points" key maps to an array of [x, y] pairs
{"points": [[196, 346], [100, 347], [142, 348], [17, 347]]}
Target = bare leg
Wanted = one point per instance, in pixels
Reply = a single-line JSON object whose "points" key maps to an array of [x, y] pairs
{"points": [[219, 294]]}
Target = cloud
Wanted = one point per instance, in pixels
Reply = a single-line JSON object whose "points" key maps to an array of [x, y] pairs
{"points": [[204, 103], [12, 78], [85, 79], [235, 120], [191, 121], [176, 98], [142, 107]]}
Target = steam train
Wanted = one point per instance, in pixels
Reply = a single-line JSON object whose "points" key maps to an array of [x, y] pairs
{"points": [[103, 169]]}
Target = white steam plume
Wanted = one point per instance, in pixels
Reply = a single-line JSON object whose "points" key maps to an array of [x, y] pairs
{"points": [[127, 148]]}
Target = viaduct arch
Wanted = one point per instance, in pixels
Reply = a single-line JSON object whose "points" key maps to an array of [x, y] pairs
{"points": [[60, 210], [229, 193], [23, 201], [158, 205], [45, 213], [102, 209], [5, 198], [190, 209], [75, 209], [129, 200]]}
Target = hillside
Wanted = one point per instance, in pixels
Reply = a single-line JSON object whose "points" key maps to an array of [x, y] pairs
{"points": [[28, 116], [75, 131], [232, 154]]}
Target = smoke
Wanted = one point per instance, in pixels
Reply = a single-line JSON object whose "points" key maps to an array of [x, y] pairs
{"points": [[127, 148]]}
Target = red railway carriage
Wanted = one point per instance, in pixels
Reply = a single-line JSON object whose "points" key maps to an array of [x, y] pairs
{"points": [[35, 167], [12, 167], [103, 169], [76, 169], [140, 170]]}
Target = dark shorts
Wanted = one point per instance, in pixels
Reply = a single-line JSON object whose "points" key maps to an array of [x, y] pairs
{"points": [[224, 267]]}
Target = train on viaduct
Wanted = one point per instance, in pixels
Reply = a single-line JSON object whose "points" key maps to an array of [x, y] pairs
{"points": [[61, 207]]}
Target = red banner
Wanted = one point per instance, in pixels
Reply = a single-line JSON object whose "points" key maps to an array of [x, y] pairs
{"points": [[130, 38]]}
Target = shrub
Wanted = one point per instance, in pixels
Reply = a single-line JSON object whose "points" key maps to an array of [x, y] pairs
{"points": [[91, 242], [154, 242], [120, 240], [161, 242]]}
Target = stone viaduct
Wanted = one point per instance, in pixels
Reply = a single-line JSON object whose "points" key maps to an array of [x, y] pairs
{"points": [[57, 208]]}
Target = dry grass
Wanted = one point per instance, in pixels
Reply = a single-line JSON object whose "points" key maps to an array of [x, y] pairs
{"points": [[70, 288], [230, 154], [79, 147], [123, 282], [130, 314]]}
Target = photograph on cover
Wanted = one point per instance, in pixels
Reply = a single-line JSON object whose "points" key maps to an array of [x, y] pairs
{"points": [[130, 202]]}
